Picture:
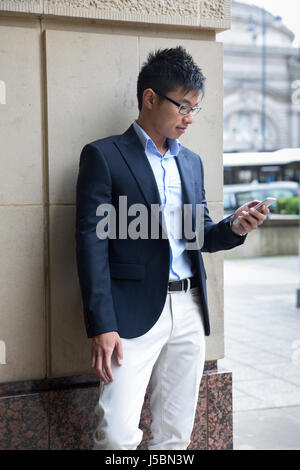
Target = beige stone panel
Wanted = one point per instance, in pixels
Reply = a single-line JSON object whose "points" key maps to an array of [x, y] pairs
{"points": [[22, 312], [205, 135], [91, 86], [69, 345], [20, 115], [215, 291]]}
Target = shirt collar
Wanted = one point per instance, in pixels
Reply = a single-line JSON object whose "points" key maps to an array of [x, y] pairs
{"points": [[174, 144]]}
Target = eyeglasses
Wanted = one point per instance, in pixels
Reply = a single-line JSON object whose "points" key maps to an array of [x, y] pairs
{"points": [[182, 108]]}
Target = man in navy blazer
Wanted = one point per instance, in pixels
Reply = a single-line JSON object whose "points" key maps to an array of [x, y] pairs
{"points": [[126, 280]]}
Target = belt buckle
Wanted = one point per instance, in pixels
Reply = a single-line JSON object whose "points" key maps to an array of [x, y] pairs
{"points": [[188, 284]]}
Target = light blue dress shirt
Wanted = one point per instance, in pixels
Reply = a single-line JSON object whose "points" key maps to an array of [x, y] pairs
{"points": [[169, 185]]}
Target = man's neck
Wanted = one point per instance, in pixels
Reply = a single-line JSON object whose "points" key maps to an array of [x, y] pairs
{"points": [[160, 142]]}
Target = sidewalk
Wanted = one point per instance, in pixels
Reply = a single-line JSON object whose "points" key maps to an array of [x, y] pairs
{"points": [[262, 349]]}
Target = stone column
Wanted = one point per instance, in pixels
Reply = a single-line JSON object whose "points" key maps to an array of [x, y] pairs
{"points": [[68, 70]]}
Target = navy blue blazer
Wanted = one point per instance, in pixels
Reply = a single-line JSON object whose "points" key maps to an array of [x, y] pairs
{"points": [[124, 281]]}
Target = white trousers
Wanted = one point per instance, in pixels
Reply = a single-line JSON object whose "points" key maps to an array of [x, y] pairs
{"points": [[172, 354]]}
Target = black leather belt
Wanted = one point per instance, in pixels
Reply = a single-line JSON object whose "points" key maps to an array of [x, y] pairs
{"points": [[182, 284]]}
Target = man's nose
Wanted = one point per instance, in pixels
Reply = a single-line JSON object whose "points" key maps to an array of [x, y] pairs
{"points": [[188, 118]]}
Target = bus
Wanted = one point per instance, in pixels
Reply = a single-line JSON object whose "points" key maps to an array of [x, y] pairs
{"points": [[262, 167]]}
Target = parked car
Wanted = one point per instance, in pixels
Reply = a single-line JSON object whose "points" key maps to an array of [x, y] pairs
{"points": [[235, 195]]}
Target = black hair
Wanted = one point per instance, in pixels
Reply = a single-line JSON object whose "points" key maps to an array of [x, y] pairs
{"points": [[168, 69]]}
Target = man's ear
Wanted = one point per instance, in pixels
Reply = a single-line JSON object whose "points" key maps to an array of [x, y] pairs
{"points": [[149, 98]]}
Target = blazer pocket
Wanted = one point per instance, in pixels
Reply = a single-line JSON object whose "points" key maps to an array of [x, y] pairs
{"points": [[127, 271]]}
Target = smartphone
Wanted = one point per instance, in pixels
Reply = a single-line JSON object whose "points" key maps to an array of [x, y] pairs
{"points": [[266, 202]]}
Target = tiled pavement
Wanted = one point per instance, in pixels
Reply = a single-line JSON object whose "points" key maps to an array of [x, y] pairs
{"points": [[262, 349]]}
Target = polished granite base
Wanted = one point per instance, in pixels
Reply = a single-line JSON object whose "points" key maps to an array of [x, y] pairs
{"points": [[59, 413]]}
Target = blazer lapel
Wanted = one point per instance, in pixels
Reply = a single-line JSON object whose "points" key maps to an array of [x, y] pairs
{"points": [[187, 177], [132, 150]]}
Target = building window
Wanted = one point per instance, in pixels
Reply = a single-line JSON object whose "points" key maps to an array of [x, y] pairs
{"points": [[242, 133]]}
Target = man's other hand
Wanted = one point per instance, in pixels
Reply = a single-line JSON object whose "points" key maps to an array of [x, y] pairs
{"points": [[103, 347], [249, 218]]}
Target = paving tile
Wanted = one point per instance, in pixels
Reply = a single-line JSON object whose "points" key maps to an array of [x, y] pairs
{"points": [[267, 387], [284, 370], [245, 374], [262, 336], [278, 400], [258, 430], [293, 411], [260, 358], [236, 393], [244, 403]]}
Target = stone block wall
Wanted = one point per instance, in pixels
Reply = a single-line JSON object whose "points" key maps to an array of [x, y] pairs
{"points": [[68, 73]]}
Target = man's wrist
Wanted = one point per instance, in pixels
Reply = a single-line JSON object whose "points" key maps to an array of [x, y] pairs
{"points": [[230, 225]]}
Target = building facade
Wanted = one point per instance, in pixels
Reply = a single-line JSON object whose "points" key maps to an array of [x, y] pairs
{"points": [[261, 69]]}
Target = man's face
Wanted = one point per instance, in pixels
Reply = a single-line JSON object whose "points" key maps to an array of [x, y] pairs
{"points": [[166, 119]]}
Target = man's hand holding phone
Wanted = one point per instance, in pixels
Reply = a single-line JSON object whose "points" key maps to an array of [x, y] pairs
{"points": [[249, 216]]}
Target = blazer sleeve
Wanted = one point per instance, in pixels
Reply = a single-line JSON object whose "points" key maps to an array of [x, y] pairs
{"points": [[218, 236], [94, 187]]}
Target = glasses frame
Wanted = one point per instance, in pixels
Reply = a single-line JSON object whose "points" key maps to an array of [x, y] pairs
{"points": [[192, 109]]}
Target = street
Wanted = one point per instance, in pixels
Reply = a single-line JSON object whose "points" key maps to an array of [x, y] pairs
{"points": [[262, 349]]}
